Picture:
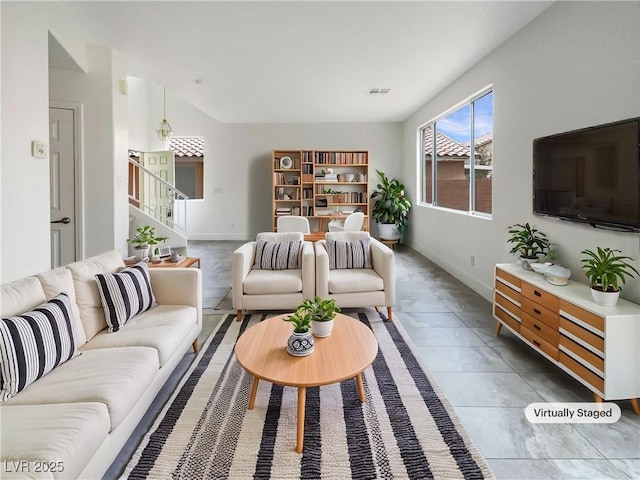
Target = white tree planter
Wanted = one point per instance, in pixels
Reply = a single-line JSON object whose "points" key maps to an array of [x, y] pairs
{"points": [[605, 299], [388, 231]]}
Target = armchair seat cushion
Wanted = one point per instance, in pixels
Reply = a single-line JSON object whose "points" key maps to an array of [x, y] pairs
{"points": [[265, 282], [355, 281]]}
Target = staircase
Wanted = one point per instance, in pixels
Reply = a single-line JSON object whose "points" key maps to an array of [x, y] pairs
{"points": [[155, 202]]}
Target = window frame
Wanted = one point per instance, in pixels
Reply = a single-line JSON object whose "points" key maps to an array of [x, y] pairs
{"points": [[421, 154]]}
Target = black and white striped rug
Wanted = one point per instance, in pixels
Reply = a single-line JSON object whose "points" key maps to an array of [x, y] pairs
{"points": [[406, 429]]}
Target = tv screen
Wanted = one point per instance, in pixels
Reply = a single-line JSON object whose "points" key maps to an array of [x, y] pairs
{"points": [[590, 175]]}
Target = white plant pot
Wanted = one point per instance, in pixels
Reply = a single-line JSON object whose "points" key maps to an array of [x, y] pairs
{"points": [[605, 299], [140, 253], [322, 329], [526, 262], [388, 231]]}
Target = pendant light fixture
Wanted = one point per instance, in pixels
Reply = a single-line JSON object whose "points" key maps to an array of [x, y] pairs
{"points": [[164, 129]]}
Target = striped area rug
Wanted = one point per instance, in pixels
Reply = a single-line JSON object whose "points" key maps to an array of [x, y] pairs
{"points": [[406, 429]]}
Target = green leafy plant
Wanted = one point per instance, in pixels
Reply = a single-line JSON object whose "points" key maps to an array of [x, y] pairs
{"points": [[527, 241], [301, 321], [319, 309], [145, 236], [605, 270], [392, 206]]}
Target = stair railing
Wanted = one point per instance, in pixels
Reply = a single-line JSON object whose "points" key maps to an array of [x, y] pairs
{"points": [[157, 198]]}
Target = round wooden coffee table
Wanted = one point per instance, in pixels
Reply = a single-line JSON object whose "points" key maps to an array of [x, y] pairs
{"points": [[262, 352]]}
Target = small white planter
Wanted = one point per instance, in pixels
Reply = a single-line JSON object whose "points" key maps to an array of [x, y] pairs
{"points": [[322, 329], [605, 299], [140, 253], [388, 231]]}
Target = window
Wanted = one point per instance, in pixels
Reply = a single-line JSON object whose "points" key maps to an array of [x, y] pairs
{"points": [[460, 178], [189, 165]]}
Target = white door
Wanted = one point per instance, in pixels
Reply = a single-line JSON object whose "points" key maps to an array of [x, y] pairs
{"points": [[157, 198], [62, 185]]}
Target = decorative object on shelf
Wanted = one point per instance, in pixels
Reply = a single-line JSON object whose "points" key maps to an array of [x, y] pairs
{"points": [[164, 251], [528, 242], [164, 128], [322, 314], [175, 256], [605, 270], [286, 162], [391, 209], [143, 240], [300, 343], [554, 274]]}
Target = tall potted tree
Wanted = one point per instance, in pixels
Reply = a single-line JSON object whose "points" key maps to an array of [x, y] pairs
{"points": [[391, 208]]}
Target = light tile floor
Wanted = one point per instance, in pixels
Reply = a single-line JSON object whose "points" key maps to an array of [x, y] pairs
{"points": [[488, 379]]}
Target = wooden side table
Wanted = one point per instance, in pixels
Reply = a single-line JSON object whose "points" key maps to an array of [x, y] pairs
{"points": [[184, 262], [390, 243]]}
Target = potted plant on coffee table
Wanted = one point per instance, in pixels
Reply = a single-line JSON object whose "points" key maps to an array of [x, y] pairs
{"points": [[528, 242], [322, 313], [300, 343], [391, 208], [606, 271]]}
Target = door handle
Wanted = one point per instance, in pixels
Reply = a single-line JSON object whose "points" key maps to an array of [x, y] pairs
{"points": [[63, 220]]}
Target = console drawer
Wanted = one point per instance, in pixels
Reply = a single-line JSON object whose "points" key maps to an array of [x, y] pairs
{"points": [[550, 317], [540, 328], [583, 334], [507, 305], [540, 297], [539, 342], [515, 281], [588, 356], [506, 318], [582, 372], [507, 291], [581, 314]]}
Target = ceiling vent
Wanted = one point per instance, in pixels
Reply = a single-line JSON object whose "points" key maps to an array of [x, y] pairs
{"points": [[378, 91]]}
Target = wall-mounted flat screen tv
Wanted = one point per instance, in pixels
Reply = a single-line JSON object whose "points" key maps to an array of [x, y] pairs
{"points": [[590, 175]]}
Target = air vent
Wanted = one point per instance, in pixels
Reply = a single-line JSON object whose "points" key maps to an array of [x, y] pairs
{"points": [[378, 91]]}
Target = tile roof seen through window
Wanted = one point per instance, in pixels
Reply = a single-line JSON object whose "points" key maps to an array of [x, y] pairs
{"points": [[187, 146], [445, 146]]}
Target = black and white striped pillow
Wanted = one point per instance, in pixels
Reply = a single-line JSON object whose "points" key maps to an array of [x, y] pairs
{"points": [[34, 343], [278, 255], [355, 254], [125, 294]]}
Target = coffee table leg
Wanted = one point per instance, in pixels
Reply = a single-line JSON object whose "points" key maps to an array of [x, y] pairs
{"points": [[363, 397], [254, 389], [302, 398]]}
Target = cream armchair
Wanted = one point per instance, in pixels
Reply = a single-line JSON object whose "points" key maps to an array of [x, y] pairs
{"points": [[272, 289], [356, 287]]}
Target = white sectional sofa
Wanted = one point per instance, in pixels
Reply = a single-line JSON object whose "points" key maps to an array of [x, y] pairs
{"points": [[73, 421]]}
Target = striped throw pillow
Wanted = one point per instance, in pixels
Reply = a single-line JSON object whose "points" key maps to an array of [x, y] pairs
{"points": [[278, 255], [125, 294], [34, 343], [355, 254]]}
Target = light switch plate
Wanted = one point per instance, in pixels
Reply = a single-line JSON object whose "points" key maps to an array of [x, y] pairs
{"points": [[39, 149]]}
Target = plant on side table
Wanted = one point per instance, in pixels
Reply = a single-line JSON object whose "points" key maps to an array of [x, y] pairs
{"points": [[300, 343], [144, 239], [528, 242], [605, 271], [322, 313], [391, 209]]}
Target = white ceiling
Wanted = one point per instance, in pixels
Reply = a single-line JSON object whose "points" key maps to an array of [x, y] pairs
{"points": [[302, 61]]}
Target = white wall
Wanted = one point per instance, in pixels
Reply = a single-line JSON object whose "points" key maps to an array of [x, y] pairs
{"points": [[237, 161], [25, 117], [574, 66]]}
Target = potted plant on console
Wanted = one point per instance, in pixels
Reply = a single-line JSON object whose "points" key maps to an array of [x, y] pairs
{"points": [[143, 240], [322, 314], [300, 343], [605, 270], [528, 242], [391, 208]]}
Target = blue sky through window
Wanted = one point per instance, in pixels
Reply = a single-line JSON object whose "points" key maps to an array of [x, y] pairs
{"points": [[456, 125]]}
